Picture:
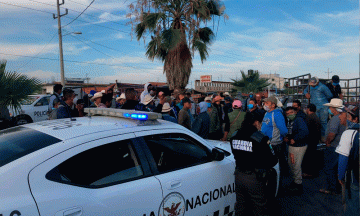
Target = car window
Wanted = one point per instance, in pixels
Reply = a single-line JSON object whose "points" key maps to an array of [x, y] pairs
{"points": [[176, 151], [100, 166], [19, 141], [43, 102], [30, 100]]}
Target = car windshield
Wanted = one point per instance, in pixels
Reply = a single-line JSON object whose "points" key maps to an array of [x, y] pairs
{"points": [[18, 142], [30, 100]]}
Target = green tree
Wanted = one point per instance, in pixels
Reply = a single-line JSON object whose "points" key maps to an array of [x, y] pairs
{"points": [[178, 29], [15, 87], [251, 82]]}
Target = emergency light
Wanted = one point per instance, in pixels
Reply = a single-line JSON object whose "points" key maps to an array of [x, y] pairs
{"points": [[136, 115]]}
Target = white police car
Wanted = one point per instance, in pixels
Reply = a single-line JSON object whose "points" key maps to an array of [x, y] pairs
{"points": [[118, 163], [33, 109]]}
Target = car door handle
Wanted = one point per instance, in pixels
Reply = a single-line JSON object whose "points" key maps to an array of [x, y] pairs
{"points": [[73, 212], [174, 184]]}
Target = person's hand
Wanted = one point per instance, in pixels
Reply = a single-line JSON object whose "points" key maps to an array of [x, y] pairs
{"points": [[307, 96], [328, 144], [342, 182], [223, 139], [161, 97], [292, 158], [286, 139], [292, 141]]}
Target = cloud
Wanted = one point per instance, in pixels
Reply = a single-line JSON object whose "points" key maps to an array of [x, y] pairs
{"points": [[26, 49], [43, 75], [242, 21], [341, 18], [110, 17]]}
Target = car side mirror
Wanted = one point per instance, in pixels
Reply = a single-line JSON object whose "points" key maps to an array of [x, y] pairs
{"points": [[217, 154]]}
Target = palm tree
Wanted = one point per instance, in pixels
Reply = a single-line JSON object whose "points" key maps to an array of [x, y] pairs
{"points": [[251, 82], [15, 87], [174, 26]]}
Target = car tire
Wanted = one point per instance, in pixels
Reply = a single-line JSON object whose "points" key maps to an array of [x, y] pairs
{"points": [[20, 120]]}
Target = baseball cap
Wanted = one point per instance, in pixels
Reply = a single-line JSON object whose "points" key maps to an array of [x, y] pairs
{"points": [[80, 101], [228, 99], [335, 78], [236, 104], [313, 80], [272, 99]]}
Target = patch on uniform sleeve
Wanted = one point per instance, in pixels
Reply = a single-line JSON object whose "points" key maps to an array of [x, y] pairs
{"points": [[242, 145]]}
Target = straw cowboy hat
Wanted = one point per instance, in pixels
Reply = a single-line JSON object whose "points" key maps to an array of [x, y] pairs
{"points": [[166, 108], [122, 96], [336, 103], [97, 95], [147, 99]]}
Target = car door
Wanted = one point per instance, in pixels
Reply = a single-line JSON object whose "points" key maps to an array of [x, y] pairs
{"points": [[104, 177], [40, 109], [192, 182]]}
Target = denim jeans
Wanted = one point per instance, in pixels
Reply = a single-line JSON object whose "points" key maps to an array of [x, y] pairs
{"points": [[323, 115], [331, 165]]}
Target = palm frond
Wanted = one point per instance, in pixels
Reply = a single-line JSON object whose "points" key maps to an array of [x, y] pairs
{"points": [[15, 87]]}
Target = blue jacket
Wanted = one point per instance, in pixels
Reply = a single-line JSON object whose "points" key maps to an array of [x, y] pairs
{"points": [[319, 95], [201, 125], [268, 129], [299, 132], [169, 118]]}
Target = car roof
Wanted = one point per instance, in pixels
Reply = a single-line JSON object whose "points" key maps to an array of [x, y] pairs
{"points": [[65, 129]]}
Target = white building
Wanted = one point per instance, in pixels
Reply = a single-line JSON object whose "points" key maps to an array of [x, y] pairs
{"points": [[274, 79]]}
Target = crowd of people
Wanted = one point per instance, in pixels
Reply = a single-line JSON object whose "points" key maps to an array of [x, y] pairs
{"points": [[259, 129]]}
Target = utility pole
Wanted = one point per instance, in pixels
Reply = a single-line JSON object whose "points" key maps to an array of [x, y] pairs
{"points": [[60, 40], [328, 72]]}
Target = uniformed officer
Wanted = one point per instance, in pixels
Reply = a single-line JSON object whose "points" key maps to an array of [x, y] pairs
{"points": [[254, 158]]}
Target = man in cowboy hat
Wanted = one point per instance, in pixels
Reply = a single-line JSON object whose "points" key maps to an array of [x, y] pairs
{"points": [[319, 95], [335, 128], [148, 104], [97, 100], [166, 113], [120, 101]]}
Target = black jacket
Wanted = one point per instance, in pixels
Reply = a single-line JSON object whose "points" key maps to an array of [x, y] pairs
{"points": [[130, 104], [252, 150]]}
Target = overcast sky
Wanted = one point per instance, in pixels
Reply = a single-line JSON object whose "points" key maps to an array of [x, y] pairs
{"points": [[289, 37]]}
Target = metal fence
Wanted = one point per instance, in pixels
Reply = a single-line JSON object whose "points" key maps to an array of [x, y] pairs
{"points": [[296, 85]]}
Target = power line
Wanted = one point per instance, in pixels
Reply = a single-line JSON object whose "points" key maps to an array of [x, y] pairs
{"points": [[72, 61], [86, 14], [38, 52], [80, 14], [67, 17], [91, 7]]}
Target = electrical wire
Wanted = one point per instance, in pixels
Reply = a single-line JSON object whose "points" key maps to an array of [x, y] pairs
{"points": [[86, 14], [80, 13], [38, 52], [72, 61]]}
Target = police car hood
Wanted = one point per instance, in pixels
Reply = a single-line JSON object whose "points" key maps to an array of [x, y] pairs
{"points": [[225, 145]]}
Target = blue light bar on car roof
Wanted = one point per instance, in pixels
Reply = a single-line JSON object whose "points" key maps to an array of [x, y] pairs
{"points": [[123, 113]]}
